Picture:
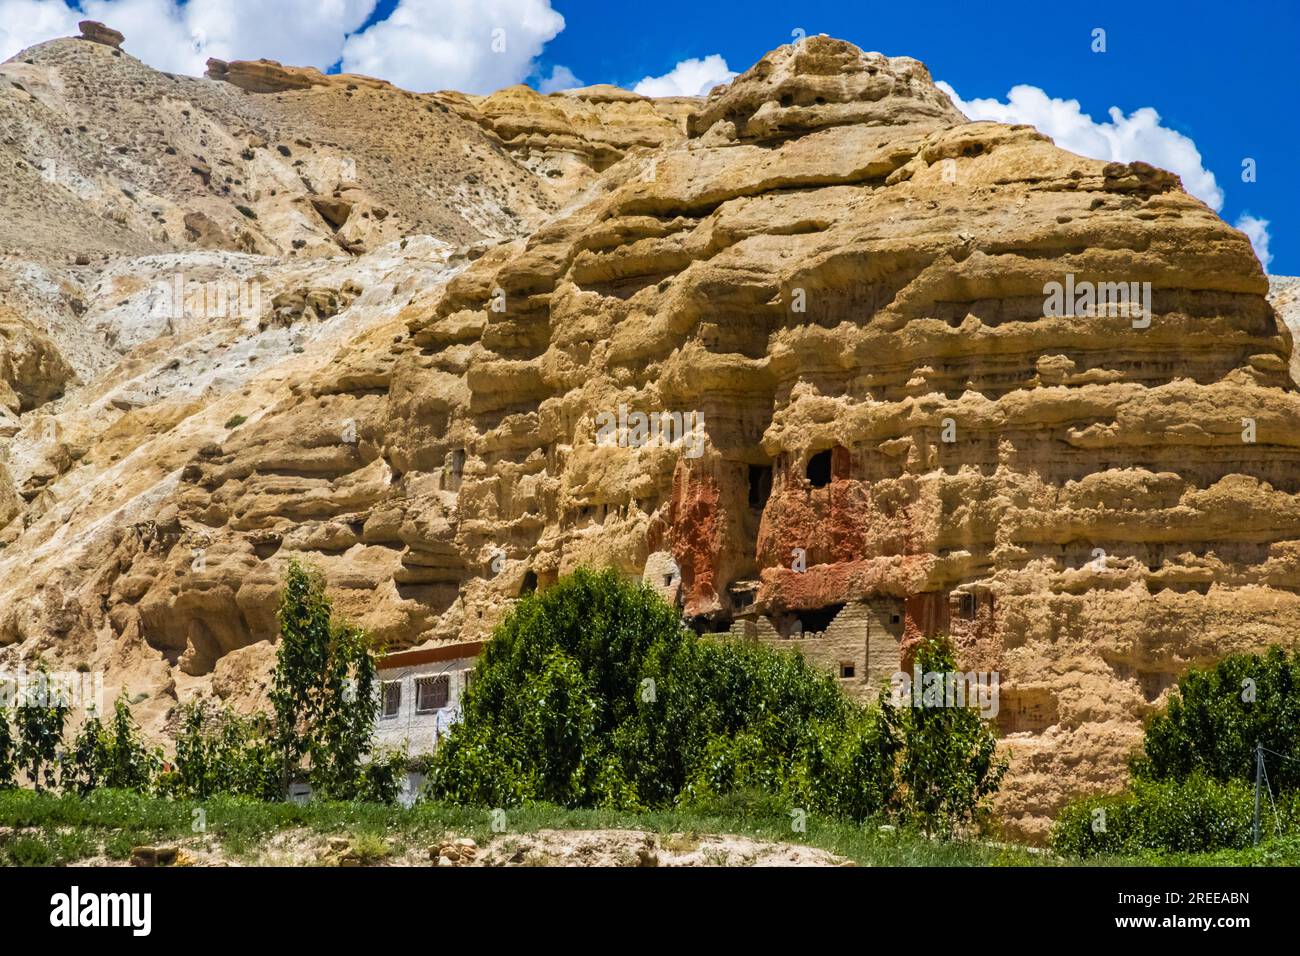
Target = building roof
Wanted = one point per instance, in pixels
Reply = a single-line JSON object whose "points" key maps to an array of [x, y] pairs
{"points": [[427, 655]]}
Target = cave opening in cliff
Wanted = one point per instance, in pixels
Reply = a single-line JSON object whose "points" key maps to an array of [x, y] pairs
{"points": [[529, 585], [744, 596], [966, 605], [760, 486], [704, 624], [819, 469], [815, 620], [457, 465]]}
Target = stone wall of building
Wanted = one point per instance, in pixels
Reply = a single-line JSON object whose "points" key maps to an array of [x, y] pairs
{"points": [[861, 643]]}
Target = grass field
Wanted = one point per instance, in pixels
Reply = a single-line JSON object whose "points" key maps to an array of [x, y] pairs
{"points": [[52, 830]]}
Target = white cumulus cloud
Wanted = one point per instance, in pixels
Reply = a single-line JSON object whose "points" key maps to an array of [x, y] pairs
{"points": [[24, 23], [1256, 230], [561, 79], [476, 46], [180, 37], [694, 77], [1125, 139]]}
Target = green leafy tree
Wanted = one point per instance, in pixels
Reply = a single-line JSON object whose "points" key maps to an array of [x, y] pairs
{"points": [[1192, 785], [218, 751], [593, 693], [8, 751], [41, 714], [322, 724], [131, 765], [323, 690], [1217, 714], [948, 764], [113, 756], [199, 768], [84, 769]]}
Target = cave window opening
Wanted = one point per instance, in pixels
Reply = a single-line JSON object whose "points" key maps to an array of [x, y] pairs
{"points": [[819, 469], [847, 670], [529, 585], [457, 468], [760, 486], [816, 620], [966, 606], [702, 624]]}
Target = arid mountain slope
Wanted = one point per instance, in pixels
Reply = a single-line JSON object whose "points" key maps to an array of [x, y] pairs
{"points": [[132, 160], [103, 158], [842, 283], [307, 209]]}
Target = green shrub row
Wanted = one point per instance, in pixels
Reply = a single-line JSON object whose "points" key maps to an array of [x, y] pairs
{"points": [[593, 694], [1192, 785], [321, 727]]}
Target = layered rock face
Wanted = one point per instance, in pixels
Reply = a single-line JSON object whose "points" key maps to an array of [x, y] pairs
{"points": [[567, 137], [879, 425]]}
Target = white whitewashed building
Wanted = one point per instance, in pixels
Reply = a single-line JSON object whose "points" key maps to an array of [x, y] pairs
{"points": [[419, 695]]}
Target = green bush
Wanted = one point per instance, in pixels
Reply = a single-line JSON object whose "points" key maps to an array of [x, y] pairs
{"points": [[221, 752], [1217, 714], [27, 850], [1195, 815], [593, 694], [949, 765], [8, 752], [111, 757], [84, 769], [381, 777], [1192, 787]]}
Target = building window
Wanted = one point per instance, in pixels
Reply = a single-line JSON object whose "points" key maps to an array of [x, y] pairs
{"points": [[391, 694], [469, 677], [847, 669], [895, 619], [431, 693]]}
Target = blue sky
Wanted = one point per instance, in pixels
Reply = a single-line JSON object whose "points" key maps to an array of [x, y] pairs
{"points": [[1221, 77]]}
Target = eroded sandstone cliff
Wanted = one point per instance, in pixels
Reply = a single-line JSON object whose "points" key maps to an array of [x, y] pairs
{"points": [[841, 282]]}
